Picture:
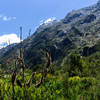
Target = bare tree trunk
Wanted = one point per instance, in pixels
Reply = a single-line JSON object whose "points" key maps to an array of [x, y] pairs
{"points": [[45, 72], [13, 78], [21, 57], [29, 82]]}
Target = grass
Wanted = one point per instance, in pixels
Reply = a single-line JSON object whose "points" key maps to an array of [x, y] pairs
{"points": [[51, 89]]}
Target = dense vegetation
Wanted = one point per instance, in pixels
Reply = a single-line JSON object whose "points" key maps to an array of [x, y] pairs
{"points": [[77, 79]]}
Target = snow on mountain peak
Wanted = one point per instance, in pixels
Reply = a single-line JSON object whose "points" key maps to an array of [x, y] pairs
{"points": [[49, 20]]}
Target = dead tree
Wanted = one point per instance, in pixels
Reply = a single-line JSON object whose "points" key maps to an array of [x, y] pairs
{"points": [[20, 60], [13, 78], [21, 57], [43, 73], [46, 70], [29, 82]]}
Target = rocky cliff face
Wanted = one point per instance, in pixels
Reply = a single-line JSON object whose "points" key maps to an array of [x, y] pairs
{"points": [[79, 29]]}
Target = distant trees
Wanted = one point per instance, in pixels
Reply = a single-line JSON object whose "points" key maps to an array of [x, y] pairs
{"points": [[77, 66]]}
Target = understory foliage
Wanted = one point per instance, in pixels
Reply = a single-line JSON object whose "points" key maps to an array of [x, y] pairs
{"points": [[77, 79]]}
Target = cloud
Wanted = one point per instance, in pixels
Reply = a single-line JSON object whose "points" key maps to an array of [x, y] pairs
{"points": [[47, 21], [6, 18], [9, 38]]}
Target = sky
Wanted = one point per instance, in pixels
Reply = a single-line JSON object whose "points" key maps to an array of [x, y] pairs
{"points": [[30, 13]]}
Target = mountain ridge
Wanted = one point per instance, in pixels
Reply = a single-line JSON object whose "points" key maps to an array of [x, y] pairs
{"points": [[80, 28]]}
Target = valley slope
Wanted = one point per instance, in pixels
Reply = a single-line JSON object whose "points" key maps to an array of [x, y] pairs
{"points": [[79, 30]]}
